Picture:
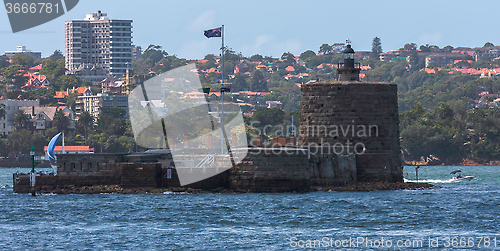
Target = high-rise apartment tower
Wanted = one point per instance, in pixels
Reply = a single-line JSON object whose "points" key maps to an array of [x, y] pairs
{"points": [[98, 46]]}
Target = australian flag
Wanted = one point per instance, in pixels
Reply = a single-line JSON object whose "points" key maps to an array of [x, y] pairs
{"points": [[217, 32]]}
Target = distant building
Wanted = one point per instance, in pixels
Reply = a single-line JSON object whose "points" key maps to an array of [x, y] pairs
{"points": [[71, 149], [274, 104], [99, 43], [93, 103], [487, 53], [35, 81], [60, 95], [42, 117], [116, 85], [35, 69], [22, 50], [394, 55], [442, 58], [363, 54], [136, 52], [11, 108], [240, 68], [91, 73]]}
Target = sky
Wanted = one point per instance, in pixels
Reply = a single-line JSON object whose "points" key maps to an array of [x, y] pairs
{"points": [[270, 28]]}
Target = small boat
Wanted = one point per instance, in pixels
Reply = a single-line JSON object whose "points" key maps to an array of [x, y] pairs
{"points": [[460, 177]]}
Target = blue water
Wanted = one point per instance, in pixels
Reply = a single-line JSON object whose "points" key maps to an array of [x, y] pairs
{"points": [[470, 211]]}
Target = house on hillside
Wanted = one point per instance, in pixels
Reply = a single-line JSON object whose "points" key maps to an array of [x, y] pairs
{"points": [[11, 108], [35, 69], [274, 104], [114, 84], [90, 72], [60, 95], [93, 103], [363, 54], [442, 58], [240, 68], [42, 117], [394, 55], [35, 81], [490, 53]]}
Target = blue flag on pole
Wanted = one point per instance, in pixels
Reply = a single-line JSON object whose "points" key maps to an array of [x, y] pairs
{"points": [[217, 32]]}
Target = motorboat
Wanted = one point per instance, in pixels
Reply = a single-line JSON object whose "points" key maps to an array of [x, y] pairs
{"points": [[459, 177]]}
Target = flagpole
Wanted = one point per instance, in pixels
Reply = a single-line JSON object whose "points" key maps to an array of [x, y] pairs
{"points": [[222, 35], [222, 94]]}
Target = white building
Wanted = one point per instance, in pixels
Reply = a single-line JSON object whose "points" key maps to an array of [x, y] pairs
{"points": [[22, 50], [93, 103], [99, 42], [11, 108]]}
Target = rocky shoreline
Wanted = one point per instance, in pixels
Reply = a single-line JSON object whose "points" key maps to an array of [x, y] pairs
{"points": [[116, 189]]}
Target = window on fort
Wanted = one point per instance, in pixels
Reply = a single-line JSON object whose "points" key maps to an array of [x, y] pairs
{"points": [[73, 166], [89, 166]]}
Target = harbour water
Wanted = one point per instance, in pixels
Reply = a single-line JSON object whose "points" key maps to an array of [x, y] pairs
{"points": [[455, 216]]}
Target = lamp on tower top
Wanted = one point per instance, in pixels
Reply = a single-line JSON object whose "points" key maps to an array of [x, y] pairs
{"points": [[348, 71]]}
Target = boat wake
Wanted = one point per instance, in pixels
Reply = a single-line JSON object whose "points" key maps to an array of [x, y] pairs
{"points": [[429, 181]]}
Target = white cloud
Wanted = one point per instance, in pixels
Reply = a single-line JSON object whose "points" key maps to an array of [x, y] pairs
{"points": [[267, 44], [431, 38], [203, 21]]}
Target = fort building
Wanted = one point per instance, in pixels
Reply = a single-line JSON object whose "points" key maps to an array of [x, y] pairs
{"points": [[349, 134]]}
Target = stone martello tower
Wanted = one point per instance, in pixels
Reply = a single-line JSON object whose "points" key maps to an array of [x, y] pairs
{"points": [[357, 117]]}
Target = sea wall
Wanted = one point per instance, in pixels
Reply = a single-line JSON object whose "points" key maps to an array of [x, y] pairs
{"points": [[126, 175], [281, 169], [291, 169]]}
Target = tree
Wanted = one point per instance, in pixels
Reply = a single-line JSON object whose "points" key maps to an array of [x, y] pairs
{"points": [[53, 69], [14, 74], [376, 48], [20, 120], [259, 83], [425, 48], [288, 56], [488, 45], [56, 56], [307, 54], [444, 111], [65, 82], [325, 49], [256, 58], [60, 121], [338, 48], [239, 83], [410, 47], [266, 116], [111, 121], [4, 61], [416, 63], [24, 60], [301, 69], [19, 140], [85, 122], [448, 48], [71, 100]]}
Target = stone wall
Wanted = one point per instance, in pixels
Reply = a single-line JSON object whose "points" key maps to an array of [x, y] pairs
{"points": [[145, 175], [375, 167], [126, 175], [87, 164], [272, 170], [353, 117], [330, 169], [291, 169], [50, 183]]}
